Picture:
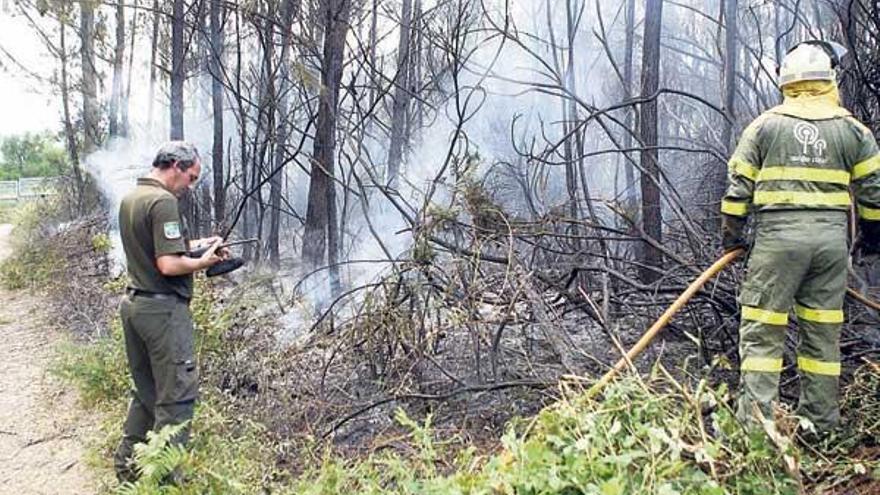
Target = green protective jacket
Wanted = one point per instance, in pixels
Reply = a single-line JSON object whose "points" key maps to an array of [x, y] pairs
{"points": [[804, 155], [794, 166]]}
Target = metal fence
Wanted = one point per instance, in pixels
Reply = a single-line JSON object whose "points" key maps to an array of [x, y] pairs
{"points": [[35, 187]]}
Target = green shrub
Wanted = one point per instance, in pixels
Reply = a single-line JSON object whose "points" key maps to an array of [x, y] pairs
{"points": [[98, 369], [638, 439], [101, 243], [32, 262]]}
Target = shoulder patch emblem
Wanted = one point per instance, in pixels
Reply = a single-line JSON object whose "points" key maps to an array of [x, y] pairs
{"points": [[172, 230]]}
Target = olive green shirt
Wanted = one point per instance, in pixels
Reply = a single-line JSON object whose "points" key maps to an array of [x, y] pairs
{"points": [[150, 226]]}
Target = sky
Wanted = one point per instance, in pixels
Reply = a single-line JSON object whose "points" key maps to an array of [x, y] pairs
{"points": [[26, 105]]}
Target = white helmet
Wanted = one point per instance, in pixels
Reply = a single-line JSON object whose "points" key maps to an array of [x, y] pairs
{"points": [[812, 60]]}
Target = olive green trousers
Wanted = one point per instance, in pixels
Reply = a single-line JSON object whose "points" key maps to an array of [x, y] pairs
{"points": [[160, 349], [799, 262]]}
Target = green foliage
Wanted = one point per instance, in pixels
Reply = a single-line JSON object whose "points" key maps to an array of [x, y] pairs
{"points": [[98, 369], [221, 459], [31, 155], [155, 461], [31, 263], [27, 219], [116, 285], [101, 243], [842, 457], [383, 473], [639, 439], [27, 269]]}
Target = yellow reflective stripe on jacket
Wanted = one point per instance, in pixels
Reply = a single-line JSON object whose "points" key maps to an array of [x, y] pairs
{"points": [[734, 208], [818, 367], [743, 168], [804, 173], [802, 198], [869, 213], [866, 167], [764, 316], [770, 365], [819, 315]]}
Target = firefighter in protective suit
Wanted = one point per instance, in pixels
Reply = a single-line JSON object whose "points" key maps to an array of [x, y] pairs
{"points": [[793, 169]]}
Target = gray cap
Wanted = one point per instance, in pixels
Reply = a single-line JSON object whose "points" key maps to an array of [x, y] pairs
{"points": [[176, 151]]}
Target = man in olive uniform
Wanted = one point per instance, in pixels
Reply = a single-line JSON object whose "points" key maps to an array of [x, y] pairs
{"points": [[155, 313], [793, 168]]}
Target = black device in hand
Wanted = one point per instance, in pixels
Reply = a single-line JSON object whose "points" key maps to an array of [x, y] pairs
{"points": [[224, 266]]}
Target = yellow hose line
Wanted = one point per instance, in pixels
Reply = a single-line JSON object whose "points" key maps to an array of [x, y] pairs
{"points": [[663, 320], [858, 296], [676, 305]]}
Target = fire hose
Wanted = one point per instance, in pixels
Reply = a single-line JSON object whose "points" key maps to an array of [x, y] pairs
{"points": [[680, 301]]}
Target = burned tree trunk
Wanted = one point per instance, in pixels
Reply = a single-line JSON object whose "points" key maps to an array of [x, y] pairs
{"points": [[718, 179], [125, 121], [177, 73], [154, 50], [629, 169], [216, 64], [320, 229], [400, 106], [281, 134], [69, 131], [91, 116], [118, 60], [652, 215]]}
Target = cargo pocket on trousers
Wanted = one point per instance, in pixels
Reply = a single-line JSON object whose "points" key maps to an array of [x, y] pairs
{"points": [[750, 296], [186, 380]]}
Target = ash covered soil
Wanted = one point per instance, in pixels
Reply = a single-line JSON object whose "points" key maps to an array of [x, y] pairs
{"points": [[42, 431]]}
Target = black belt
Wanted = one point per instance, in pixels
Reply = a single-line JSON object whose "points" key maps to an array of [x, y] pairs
{"points": [[161, 296]]}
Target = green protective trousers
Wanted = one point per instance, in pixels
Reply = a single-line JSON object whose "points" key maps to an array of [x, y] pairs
{"points": [[160, 349], [799, 263]]}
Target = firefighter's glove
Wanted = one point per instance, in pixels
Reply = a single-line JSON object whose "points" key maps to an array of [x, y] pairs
{"points": [[733, 232], [869, 237]]}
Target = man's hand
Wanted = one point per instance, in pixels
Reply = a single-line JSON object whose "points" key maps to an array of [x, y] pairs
{"points": [[172, 265], [206, 241], [197, 245], [733, 234], [214, 254]]}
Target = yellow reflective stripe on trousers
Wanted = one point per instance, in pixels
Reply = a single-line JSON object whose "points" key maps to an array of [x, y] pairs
{"points": [[866, 167], [764, 316], [804, 173], [770, 365], [817, 367], [734, 208], [869, 213], [743, 168], [802, 198], [819, 315]]}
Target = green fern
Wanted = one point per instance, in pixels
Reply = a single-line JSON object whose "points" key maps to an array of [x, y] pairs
{"points": [[155, 461]]}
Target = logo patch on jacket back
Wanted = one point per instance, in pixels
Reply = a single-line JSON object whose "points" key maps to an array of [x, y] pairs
{"points": [[813, 146], [172, 230]]}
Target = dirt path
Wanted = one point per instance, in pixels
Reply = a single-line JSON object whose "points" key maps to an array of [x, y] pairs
{"points": [[41, 434]]}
